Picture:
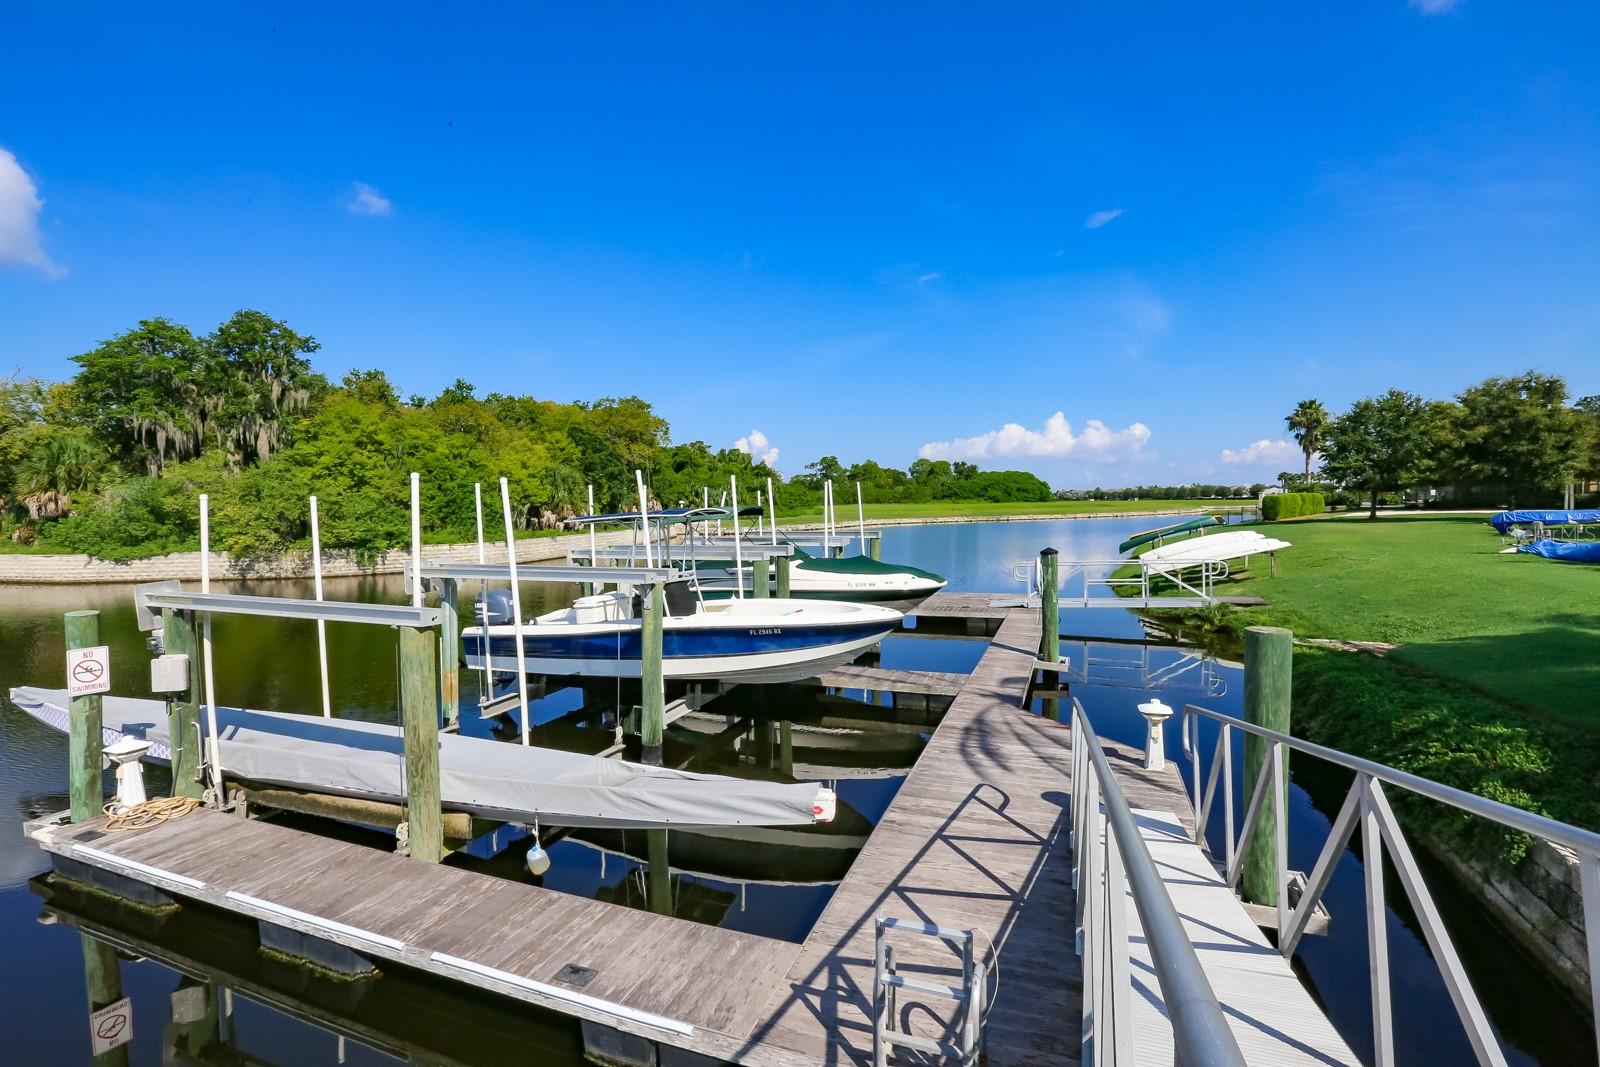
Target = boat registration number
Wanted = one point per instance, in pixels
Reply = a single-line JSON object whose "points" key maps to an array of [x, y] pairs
{"points": [[766, 631]]}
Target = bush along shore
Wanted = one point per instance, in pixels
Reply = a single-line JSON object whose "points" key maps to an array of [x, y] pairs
{"points": [[1402, 662]]}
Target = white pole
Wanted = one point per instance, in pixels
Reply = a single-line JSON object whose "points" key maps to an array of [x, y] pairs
{"points": [[772, 519], [644, 519], [761, 517], [516, 608], [827, 518], [483, 598], [215, 756], [322, 624], [861, 519], [594, 555], [416, 540], [738, 553]]}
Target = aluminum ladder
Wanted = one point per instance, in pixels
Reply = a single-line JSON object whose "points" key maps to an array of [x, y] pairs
{"points": [[967, 1039]]}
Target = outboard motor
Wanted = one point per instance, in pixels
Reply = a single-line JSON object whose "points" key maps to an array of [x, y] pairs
{"points": [[498, 605]]}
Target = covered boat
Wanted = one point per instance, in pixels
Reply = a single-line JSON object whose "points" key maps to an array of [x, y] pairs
{"points": [[1566, 551], [1507, 519], [752, 640], [484, 777], [1216, 548]]}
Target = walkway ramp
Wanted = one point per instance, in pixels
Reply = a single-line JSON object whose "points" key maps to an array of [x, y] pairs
{"points": [[1272, 1014]]}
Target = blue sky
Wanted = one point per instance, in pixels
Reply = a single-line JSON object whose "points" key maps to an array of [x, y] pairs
{"points": [[865, 230]]}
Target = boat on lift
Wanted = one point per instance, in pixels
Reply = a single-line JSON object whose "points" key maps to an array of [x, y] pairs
{"points": [[707, 556], [1213, 548], [751, 640]]}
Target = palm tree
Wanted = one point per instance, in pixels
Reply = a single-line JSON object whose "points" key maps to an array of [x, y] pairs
{"points": [[1308, 422], [62, 465]]}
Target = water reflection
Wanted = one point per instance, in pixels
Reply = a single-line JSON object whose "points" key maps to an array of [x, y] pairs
{"points": [[203, 993]]}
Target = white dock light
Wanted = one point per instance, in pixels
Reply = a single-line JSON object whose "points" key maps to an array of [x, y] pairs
{"points": [[1155, 751], [124, 754]]}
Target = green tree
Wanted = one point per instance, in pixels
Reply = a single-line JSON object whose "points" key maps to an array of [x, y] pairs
{"points": [[1379, 445], [1308, 422], [255, 374], [141, 392], [1519, 432]]}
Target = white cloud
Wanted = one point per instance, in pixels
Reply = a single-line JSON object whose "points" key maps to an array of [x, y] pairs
{"points": [[1265, 452], [365, 200], [19, 219], [1098, 443], [1435, 7], [1100, 218], [758, 448]]}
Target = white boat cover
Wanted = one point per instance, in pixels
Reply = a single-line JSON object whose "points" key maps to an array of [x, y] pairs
{"points": [[491, 778], [1210, 548]]}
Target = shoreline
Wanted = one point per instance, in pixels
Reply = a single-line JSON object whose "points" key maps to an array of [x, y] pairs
{"points": [[31, 568]]}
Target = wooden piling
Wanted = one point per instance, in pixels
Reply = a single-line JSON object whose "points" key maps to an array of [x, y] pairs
{"points": [[876, 547], [653, 697], [786, 748], [1050, 622], [659, 871], [102, 977], [419, 717], [1268, 676], [450, 650], [761, 582], [183, 719], [84, 727], [781, 563]]}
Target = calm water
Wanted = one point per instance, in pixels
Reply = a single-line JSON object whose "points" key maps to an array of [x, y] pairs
{"points": [[862, 749]]}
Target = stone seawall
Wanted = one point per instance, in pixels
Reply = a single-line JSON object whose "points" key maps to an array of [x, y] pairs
{"points": [[27, 569], [73, 569], [1539, 903]]}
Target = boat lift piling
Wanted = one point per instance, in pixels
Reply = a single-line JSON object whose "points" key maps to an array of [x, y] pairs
{"points": [[322, 625], [516, 608], [83, 722], [1268, 679], [183, 708]]}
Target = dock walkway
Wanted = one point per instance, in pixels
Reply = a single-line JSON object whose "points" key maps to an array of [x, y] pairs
{"points": [[977, 837]]}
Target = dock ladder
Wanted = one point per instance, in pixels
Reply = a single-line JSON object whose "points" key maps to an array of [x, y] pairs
{"points": [[885, 1000]]}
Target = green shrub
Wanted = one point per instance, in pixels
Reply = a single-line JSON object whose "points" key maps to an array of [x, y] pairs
{"points": [[1291, 505]]}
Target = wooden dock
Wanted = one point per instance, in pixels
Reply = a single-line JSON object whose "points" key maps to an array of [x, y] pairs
{"points": [[977, 837], [917, 683]]}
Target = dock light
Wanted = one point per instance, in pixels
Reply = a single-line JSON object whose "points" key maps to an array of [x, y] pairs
{"points": [[125, 755], [538, 859], [1155, 751]]}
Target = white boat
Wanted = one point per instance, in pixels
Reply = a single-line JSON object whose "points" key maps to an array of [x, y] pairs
{"points": [[752, 640], [854, 578], [1210, 548]]}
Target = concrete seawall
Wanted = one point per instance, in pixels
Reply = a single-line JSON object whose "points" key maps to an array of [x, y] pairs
{"points": [[38, 569]]}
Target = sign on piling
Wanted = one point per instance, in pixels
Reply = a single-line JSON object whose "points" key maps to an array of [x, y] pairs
{"points": [[88, 671]]}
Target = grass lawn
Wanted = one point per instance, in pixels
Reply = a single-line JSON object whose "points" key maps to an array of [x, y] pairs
{"points": [[1522, 628], [942, 509], [1492, 688]]}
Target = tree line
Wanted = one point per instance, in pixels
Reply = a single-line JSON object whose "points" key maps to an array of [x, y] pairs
{"points": [[111, 461], [1516, 441]]}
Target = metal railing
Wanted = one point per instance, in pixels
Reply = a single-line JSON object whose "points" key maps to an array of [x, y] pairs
{"points": [[1112, 859], [1367, 804], [1197, 579]]}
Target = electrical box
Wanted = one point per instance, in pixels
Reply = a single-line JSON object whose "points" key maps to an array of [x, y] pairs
{"points": [[169, 673]]}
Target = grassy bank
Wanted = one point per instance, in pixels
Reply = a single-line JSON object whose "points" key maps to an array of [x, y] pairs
{"points": [[1491, 687]]}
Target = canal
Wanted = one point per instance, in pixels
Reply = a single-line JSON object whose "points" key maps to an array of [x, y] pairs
{"points": [[774, 886]]}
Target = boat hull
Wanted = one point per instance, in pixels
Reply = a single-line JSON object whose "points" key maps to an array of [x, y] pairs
{"points": [[747, 646]]}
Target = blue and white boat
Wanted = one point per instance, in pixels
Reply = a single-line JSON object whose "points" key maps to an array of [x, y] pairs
{"points": [[751, 640]]}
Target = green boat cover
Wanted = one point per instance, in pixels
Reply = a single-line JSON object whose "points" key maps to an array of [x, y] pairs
{"points": [[1167, 531], [860, 565]]}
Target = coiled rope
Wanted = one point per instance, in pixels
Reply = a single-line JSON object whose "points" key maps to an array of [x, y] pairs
{"points": [[150, 813]]}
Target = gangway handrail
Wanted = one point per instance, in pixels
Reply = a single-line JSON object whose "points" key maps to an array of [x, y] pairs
{"points": [[1366, 807], [1106, 871]]}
